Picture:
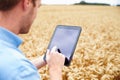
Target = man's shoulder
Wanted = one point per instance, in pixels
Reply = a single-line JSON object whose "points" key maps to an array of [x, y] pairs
{"points": [[13, 61], [17, 69]]}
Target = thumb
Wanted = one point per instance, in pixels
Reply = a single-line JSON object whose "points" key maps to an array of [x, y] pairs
{"points": [[47, 55], [48, 52]]}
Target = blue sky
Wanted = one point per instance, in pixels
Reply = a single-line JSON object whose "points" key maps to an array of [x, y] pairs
{"points": [[112, 2]]}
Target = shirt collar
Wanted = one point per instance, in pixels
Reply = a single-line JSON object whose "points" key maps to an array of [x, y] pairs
{"points": [[10, 37]]}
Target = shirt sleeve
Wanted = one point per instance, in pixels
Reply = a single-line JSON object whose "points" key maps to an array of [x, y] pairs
{"points": [[26, 73]]}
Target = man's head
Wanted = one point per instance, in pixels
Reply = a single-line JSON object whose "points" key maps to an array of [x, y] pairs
{"points": [[26, 14], [9, 4]]}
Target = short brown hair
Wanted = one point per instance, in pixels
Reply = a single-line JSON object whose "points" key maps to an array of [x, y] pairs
{"points": [[9, 4]]}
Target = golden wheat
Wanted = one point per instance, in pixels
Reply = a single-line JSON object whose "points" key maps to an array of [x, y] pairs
{"points": [[97, 56]]}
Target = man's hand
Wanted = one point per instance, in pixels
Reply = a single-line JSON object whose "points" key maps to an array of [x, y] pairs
{"points": [[55, 63], [39, 62]]}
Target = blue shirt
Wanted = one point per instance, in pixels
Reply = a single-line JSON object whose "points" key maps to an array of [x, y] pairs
{"points": [[13, 64]]}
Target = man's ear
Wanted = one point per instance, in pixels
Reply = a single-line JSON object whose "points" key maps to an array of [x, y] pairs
{"points": [[26, 4]]}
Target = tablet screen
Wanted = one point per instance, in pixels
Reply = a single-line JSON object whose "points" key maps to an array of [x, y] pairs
{"points": [[65, 38]]}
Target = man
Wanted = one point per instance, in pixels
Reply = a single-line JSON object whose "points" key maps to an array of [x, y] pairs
{"points": [[16, 17]]}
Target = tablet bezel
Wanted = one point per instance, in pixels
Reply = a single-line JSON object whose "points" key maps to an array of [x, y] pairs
{"points": [[67, 63]]}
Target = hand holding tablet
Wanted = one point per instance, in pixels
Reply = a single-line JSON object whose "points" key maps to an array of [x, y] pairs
{"points": [[65, 38]]}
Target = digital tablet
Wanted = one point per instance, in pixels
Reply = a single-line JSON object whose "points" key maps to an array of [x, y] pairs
{"points": [[65, 38]]}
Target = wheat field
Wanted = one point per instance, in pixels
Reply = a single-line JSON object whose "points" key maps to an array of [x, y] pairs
{"points": [[97, 56]]}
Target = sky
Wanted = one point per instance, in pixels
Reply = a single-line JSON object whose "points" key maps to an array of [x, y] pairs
{"points": [[112, 2]]}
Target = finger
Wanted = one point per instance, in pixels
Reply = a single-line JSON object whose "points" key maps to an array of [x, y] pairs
{"points": [[54, 49], [62, 55]]}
